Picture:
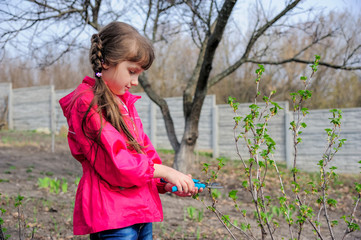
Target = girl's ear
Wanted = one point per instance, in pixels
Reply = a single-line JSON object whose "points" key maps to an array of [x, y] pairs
{"points": [[105, 66]]}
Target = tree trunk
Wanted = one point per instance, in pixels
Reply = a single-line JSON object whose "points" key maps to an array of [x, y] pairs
{"points": [[184, 155]]}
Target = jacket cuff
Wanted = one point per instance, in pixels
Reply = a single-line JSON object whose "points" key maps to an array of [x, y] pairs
{"points": [[151, 169], [160, 186]]}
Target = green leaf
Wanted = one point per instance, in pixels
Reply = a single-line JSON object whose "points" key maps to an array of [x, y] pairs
{"points": [[216, 193], [231, 100], [332, 202], [254, 106], [244, 226], [233, 195], [358, 187], [334, 223], [226, 220], [353, 227]]}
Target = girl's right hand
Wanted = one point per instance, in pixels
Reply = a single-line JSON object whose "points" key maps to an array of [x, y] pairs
{"points": [[183, 182]]}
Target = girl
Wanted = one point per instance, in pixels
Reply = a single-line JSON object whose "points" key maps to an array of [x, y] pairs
{"points": [[117, 197]]}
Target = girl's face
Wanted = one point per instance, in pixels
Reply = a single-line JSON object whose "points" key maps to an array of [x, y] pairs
{"points": [[122, 77]]}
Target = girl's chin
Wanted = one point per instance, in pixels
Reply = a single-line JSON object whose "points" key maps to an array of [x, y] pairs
{"points": [[119, 91]]}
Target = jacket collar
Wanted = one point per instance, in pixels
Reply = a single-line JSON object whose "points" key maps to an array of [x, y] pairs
{"points": [[127, 97]]}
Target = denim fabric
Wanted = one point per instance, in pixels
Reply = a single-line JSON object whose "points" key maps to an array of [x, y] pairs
{"points": [[141, 231]]}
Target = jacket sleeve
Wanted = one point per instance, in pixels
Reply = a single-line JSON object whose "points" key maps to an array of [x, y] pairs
{"points": [[153, 155], [111, 159]]}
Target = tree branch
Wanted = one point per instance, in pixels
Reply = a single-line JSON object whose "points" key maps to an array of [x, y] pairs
{"points": [[329, 65], [212, 44], [255, 36]]}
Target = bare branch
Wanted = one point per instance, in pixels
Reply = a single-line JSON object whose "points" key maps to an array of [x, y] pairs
{"points": [[329, 65], [255, 36]]}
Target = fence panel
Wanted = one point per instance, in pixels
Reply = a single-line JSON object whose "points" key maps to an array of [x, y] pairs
{"points": [[226, 135], [32, 108], [38, 107], [314, 140]]}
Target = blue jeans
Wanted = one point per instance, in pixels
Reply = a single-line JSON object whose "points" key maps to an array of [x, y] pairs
{"points": [[142, 231]]}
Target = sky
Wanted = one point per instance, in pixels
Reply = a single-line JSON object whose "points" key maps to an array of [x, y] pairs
{"points": [[353, 6], [241, 12]]}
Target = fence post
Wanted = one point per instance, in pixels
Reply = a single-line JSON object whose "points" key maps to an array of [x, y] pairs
{"points": [[10, 108], [215, 119], [288, 136], [153, 123], [52, 117]]}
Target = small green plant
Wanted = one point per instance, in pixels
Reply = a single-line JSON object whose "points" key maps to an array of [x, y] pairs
{"points": [[21, 219], [50, 174], [195, 214], [44, 182], [30, 169], [53, 185], [77, 180], [3, 230], [64, 185]]}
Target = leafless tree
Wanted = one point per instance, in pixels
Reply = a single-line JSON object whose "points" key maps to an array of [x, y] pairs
{"points": [[64, 23]]}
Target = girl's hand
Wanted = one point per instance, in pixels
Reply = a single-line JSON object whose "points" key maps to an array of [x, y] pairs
{"points": [[184, 183], [168, 188]]}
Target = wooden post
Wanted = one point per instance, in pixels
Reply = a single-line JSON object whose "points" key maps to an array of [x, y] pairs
{"points": [[288, 136], [215, 119], [10, 108], [52, 117], [153, 123]]}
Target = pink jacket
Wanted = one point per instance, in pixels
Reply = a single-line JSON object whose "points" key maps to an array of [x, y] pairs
{"points": [[117, 188]]}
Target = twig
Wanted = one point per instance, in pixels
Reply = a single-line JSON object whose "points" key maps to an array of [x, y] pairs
{"points": [[238, 228], [1, 233], [225, 225], [347, 231]]}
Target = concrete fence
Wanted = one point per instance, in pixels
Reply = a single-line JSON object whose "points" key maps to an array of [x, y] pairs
{"points": [[38, 108]]}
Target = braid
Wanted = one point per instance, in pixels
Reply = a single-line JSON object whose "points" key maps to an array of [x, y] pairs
{"points": [[95, 54], [104, 98]]}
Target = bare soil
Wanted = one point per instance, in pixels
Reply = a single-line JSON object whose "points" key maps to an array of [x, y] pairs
{"points": [[26, 157]]}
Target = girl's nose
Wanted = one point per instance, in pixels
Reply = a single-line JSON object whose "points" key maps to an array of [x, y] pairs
{"points": [[134, 81]]}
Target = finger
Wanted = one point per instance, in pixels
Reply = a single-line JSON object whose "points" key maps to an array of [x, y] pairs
{"points": [[185, 188], [179, 188], [192, 186]]}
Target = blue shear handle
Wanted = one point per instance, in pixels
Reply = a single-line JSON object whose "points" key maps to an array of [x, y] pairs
{"points": [[196, 183]]}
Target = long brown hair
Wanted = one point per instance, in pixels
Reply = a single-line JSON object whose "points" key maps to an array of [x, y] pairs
{"points": [[115, 43]]}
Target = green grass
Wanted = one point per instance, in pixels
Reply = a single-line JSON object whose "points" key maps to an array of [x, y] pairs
{"points": [[165, 151]]}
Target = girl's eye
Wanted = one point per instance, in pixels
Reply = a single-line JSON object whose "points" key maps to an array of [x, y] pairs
{"points": [[131, 71]]}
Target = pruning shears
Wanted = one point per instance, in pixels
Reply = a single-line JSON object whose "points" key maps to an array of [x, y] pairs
{"points": [[198, 184]]}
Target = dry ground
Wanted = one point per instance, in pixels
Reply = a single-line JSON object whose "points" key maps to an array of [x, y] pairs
{"points": [[26, 157]]}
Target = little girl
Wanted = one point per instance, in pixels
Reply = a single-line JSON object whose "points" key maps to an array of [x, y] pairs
{"points": [[118, 194]]}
